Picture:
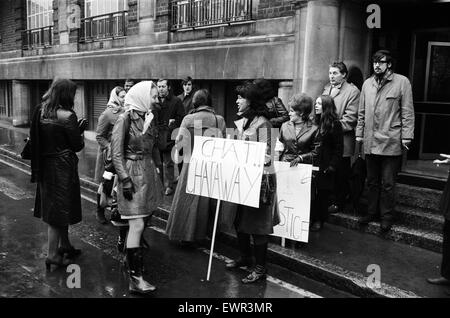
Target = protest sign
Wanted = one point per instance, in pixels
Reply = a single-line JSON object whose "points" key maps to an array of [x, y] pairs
{"points": [[227, 169], [294, 200]]}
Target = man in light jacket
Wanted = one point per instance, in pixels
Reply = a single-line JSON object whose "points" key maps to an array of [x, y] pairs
{"points": [[346, 99], [386, 126]]}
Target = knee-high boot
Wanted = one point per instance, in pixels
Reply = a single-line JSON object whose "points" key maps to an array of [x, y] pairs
{"points": [[260, 271], [100, 211], [137, 282], [245, 251]]}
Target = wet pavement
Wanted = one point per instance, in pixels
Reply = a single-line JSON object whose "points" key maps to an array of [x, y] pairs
{"points": [[177, 272]]}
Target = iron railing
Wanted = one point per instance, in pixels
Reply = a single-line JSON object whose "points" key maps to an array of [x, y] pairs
{"points": [[37, 38], [204, 13], [111, 25]]}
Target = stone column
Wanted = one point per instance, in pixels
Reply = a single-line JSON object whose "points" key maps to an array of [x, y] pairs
{"points": [[319, 28], [21, 101], [285, 91]]}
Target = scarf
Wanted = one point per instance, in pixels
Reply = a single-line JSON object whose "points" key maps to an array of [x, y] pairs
{"points": [[114, 101], [138, 99]]}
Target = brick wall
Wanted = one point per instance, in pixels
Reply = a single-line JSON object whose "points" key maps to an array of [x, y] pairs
{"points": [[162, 16], [12, 23], [133, 25], [275, 8]]}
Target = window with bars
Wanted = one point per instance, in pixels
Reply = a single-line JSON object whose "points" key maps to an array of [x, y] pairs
{"points": [[104, 19], [39, 24], [204, 13]]}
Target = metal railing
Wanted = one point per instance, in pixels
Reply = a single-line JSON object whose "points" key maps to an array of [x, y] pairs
{"points": [[111, 25], [203, 13], [37, 38]]}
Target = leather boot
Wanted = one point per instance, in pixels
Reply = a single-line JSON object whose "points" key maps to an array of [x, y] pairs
{"points": [[260, 271], [246, 253], [100, 212], [137, 282], [123, 231]]}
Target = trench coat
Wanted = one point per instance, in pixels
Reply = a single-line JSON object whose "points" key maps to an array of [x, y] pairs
{"points": [[105, 126], [191, 216], [132, 158], [346, 99], [444, 205], [385, 115], [58, 199], [244, 219]]}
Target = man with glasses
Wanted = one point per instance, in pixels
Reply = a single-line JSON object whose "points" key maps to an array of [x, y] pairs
{"points": [[386, 126]]}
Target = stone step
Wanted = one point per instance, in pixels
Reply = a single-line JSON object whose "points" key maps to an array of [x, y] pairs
{"points": [[419, 219], [417, 197]]}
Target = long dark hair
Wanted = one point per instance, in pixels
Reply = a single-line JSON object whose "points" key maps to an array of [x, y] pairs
{"points": [[60, 94], [329, 117]]}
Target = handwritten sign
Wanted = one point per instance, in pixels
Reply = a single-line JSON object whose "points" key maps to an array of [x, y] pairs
{"points": [[294, 200], [226, 169]]}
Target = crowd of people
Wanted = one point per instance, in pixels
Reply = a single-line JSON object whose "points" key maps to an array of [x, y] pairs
{"points": [[135, 164]]}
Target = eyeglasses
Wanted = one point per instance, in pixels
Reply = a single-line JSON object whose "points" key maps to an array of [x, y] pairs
{"points": [[379, 62]]}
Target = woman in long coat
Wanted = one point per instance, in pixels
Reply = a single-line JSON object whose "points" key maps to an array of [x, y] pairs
{"points": [[56, 136], [105, 126], [248, 221], [189, 220], [139, 191]]}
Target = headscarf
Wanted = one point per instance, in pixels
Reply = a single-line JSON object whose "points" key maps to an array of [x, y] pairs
{"points": [[114, 101], [138, 98]]}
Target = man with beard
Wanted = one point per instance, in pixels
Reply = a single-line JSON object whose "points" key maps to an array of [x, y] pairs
{"points": [[386, 126]]}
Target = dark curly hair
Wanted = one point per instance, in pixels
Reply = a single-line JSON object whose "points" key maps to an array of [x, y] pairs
{"points": [[266, 87], [253, 94]]}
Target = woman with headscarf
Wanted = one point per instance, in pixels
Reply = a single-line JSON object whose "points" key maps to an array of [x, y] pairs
{"points": [[139, 190], [105, 126], [250, 222], [189, 220]]}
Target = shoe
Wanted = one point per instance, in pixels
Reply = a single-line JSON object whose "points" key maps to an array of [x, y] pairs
{"points": [[439, 281], [241, 262], [120, 245], [367, 219], [316, 227], [71, 252], [259, 273], [385, 225], [332, 209], [100, 216], [137, 283], [58, 262], [169, 191]]}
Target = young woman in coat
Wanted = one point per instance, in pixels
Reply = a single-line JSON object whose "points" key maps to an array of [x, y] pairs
{"points": [[139, 190], [56, 136], [330, 135], [190, 220], [105, 126], [248, 221]]}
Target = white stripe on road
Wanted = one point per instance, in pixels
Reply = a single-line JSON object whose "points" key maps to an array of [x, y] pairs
{"points": [[13, 191], [279, 282]]}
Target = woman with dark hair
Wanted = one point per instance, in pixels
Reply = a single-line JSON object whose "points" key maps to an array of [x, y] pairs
{"points": [[56, 135], [297, 136], [330, 136], [190, 219], [276, 112], [248, 221], [139, 190], [105, 126]]}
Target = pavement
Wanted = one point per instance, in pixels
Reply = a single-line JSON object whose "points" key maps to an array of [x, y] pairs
{"points": [[341, 257]]}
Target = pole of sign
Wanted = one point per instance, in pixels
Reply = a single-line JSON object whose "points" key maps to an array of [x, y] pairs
{"points": [[213, 240]]}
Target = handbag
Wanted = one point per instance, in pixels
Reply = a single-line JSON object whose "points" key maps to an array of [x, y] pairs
{"points": [[26, 151], [267, 189]]}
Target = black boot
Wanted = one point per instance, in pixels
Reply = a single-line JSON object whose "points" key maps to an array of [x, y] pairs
{"points": [[137, 282], [260, 271], [100, 212], [245, 250], [123, 231]]}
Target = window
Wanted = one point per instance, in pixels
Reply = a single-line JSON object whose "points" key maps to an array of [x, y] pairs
{"points": [[437, 83], [5, 99], [39, 14], [100, 7]]}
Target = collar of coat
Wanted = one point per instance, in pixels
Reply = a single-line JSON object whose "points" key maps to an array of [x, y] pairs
{"points": [[388, 76], [328, 88], [203, 109]]}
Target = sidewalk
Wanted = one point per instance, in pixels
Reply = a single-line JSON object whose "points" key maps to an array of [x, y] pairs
{"points": [[337, 256]]}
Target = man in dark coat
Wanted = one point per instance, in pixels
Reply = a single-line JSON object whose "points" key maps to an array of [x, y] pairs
{"points": [[188, 93], [170, 115]]}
